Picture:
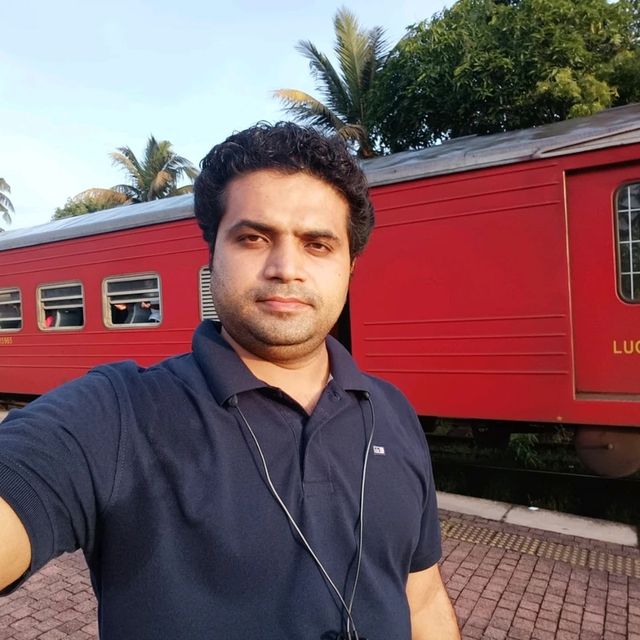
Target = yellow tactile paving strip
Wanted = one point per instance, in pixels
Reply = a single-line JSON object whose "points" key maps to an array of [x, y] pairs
{"points": [[571, 554]]}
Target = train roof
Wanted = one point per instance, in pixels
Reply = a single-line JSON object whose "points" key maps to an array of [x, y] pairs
{"points": [[126, 217], [611, 127]]}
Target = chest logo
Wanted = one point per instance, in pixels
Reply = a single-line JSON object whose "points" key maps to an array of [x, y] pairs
{"points": [[378, 451]]}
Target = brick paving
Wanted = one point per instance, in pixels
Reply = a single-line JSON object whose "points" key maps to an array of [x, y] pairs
{"points": [[498, 594], [505, 595], [56, 603]]}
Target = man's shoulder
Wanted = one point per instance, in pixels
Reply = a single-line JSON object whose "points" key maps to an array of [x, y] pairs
{"points": [[136, 388], [127, 374]]}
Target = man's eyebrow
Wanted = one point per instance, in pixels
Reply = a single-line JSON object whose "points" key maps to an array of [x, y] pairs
{"points": [[251, 224], [319, 234], [267, 229]]}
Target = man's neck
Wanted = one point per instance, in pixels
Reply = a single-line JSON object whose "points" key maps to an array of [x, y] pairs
{"points": [[303, 379]]}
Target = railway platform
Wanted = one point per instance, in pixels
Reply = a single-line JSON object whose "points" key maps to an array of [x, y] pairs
{"points": [[508, 580]]}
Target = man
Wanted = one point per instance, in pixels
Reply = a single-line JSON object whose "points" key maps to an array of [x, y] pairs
{"points": [[260, 487]]}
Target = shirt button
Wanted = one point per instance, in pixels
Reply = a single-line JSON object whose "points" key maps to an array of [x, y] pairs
{"points": [[335, 397]]}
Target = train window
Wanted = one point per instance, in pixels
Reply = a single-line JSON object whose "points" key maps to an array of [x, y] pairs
{"points": [[10, 310], [61, 306], [628, 224], [132, 300], [207, 308]]}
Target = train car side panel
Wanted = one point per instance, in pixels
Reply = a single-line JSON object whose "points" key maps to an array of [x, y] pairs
{"points": [[462, 298]]}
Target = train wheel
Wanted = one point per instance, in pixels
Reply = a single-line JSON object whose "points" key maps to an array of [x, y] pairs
{"points": [[609, 452]]}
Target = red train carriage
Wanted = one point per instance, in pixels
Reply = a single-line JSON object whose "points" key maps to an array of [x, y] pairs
{"points": [[119, 284], [502, 283], [503, 280]]}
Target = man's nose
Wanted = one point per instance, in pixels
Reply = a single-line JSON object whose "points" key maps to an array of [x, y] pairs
{"points": [[285, 262]]}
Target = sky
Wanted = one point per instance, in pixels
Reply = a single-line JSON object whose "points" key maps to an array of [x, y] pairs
{"points": [[80, 78]]}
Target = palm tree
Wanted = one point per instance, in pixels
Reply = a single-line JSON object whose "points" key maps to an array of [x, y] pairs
{"points": [[155, 176], [6, 207], [158, 174], [346, 92]]}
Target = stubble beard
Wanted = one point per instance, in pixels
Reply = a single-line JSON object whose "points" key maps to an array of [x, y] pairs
{"points": [[271, 335]]}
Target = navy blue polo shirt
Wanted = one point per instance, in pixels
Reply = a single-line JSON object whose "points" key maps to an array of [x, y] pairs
{"points": [[153, 473]]}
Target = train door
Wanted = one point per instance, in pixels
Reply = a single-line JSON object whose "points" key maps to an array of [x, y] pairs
{"points": [[604, 255]]}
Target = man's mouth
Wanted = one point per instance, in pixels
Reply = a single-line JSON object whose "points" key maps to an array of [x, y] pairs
{"points": [[282, 303]]}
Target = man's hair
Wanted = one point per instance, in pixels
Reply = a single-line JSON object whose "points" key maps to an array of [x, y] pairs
{"points": [[287, 148]]}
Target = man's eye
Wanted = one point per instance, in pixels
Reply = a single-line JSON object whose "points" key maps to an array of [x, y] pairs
{"points": [[251, 239], [318, 247]]}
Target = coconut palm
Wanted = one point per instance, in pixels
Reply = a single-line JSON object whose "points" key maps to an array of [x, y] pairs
{"points": [[346, 92], [155, 176], [6, 207]]}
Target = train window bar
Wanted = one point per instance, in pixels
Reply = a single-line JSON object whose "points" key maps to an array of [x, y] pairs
{"points": [[132, 300], [628, 241], [207, 308], [10, 310], [61, 306]]}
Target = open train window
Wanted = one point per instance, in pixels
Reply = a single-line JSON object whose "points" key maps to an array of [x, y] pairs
{"points": [[628, 226], [207, 308], [61, 306], [132, 300], [10, 310]]}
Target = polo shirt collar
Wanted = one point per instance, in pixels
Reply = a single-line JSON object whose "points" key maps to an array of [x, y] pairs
{"points": [[227, 375], [223, 370], [344, 370]]}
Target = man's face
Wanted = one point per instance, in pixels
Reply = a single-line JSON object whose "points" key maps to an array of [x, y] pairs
{"points": [[281, 263]]}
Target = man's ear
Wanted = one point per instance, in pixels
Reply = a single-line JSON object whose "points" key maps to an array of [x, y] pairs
{"points": [[353, 266]]}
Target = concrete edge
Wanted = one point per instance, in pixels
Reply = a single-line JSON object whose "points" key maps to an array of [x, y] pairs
{"points": [[563, 523]]}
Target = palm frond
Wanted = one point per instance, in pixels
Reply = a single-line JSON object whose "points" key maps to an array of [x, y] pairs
{"points": [[126, 159], [6, 206], [161, 185], [180, 166], [361, 54], [5, 203], [102, 196], [152, 149], [191, 171], [333, 89], [352, 50], [354, 132], [187, 188], [308, 109], [130, 191], [379, 50]]}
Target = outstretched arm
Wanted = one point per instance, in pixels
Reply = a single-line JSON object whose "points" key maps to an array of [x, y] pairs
{"points": [[15, 548], [432, 616]]}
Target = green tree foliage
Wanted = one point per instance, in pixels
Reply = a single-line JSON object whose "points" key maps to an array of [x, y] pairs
{"points": [[484, 66], [90, 201], [6, 207], [625, 68], [346, 92], [155, 176]]}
